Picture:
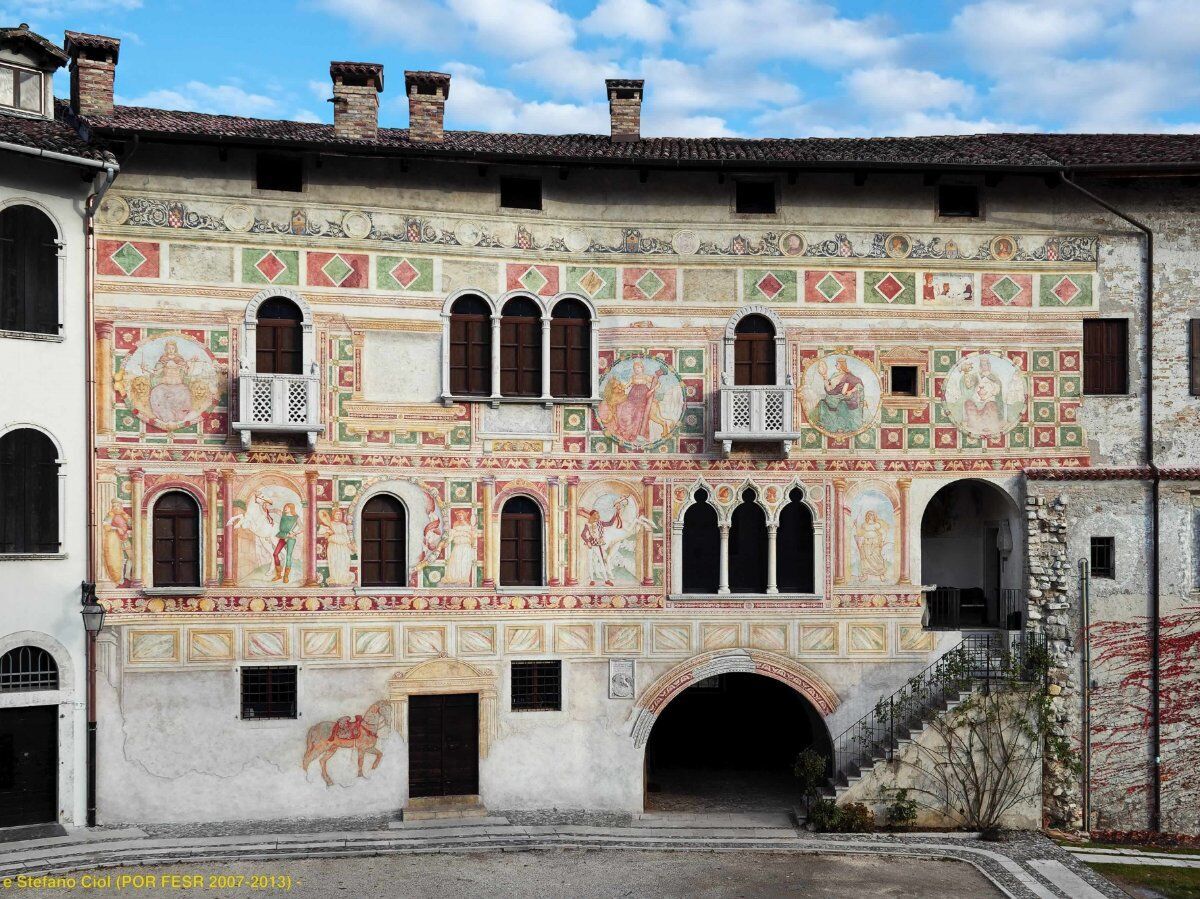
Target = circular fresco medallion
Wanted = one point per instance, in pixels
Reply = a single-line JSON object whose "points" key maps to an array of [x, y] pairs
{"points": [[985, 395], [577, 240], [238, 218], [791, 244], [840, 394], [685, 243], [898, 246], [467, 234], [1003, 248], [641, 402], [114, 210], [356, 225], [171, 380]]}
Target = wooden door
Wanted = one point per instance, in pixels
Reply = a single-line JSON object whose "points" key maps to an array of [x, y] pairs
{"points": [[521, 543], [443, 745], [28, 765]]}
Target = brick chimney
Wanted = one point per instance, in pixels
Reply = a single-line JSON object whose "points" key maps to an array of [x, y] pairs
{"points": [[93, 71], [625, 108], [427, 93], [356, 89]]}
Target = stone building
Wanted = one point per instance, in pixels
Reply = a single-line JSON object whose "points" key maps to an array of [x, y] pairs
{"points": [[47, 174], [595, 471]]}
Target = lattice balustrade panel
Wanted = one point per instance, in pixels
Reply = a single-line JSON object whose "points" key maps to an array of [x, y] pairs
{"points": [[773, 411], [260, 401], [297, 402], [740, 409]]}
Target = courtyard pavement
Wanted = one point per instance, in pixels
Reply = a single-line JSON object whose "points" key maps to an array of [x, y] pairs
{"points": [[659, 855]]}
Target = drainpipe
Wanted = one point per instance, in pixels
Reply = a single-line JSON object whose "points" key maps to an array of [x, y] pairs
{"points": [[1155, 478], [110, 170]]}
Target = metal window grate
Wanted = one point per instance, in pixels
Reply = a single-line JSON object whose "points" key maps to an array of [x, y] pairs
{"points": [[27, 668], [1104, 557], [269, 691], [536, 686]]}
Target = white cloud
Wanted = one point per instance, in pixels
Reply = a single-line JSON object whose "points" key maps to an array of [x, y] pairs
{"points": [[477, 105], [636, 20], [418, 23], [515, 28], [889, 89], [196, 96], [1007, 35], [567, 72]]}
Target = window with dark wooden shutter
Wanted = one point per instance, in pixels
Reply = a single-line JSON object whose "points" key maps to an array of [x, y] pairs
{"points": [[1106, 356], [521, 543], [1194, 354], [28, 271], [384, 559], [520, 349], [176, 541], [570, 349], [279, 338], [754, 351], [28, 493], [470, 347]]}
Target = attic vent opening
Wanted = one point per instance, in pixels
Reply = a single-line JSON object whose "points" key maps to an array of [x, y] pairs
{"points": [[958, 201], [521, 193], [273, 171]]}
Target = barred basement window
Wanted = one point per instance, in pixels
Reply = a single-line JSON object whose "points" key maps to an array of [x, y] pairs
{"points": [[27, 668], [521, 193], [269, 691], [536, 686], [755, 197], [1104, 557], [273, 171], [958, 201], [902, 380]]}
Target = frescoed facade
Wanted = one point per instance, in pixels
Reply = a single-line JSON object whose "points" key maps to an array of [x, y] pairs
{"points": [[379, 451]]}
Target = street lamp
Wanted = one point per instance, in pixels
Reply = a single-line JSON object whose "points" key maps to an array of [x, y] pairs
{"points": [[92, 612]]}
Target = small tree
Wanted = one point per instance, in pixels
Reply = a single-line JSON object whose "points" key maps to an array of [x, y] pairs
{"points": [[810, 774]]}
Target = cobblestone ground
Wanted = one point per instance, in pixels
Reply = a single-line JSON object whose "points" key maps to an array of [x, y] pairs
{"points": [[578, 874]]}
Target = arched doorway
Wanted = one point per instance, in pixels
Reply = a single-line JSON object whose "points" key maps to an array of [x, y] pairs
{"points": [[728, 743], [972, 551]]}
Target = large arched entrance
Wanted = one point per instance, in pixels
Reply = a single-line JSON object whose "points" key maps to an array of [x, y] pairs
{"points": [[728, 743], [972, 551]]}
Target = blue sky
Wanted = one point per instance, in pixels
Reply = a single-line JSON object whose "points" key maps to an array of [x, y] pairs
{"points": [[712, 67]]}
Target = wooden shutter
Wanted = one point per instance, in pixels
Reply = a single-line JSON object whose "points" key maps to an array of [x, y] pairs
{"points": [[28, 493], [1106, 356], [279, 341], [176, 541], [1194, 354], [470, 354], [28, 271], [520, 355], [754, 359], [384, 560], [521, 544], [570, 357]]}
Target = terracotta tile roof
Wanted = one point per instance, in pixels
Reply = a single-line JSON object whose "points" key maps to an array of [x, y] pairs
{"points": [[75, 41], [1038, 152], [39, 134], [55, 55]]}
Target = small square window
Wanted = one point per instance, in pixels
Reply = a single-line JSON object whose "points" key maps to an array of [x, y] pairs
{"points": [[521, 193], [1104, 557], [536, 686], [755, 197], [20, 89], [902, 380], [273, 171], [269, 691], [958, 201]]}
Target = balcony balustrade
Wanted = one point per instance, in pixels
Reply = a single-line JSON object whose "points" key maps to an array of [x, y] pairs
{"points": [[760, 413], [278, 404]]}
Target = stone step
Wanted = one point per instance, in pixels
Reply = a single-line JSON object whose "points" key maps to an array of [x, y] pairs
{"points": [[443, 808], [434, 824]]}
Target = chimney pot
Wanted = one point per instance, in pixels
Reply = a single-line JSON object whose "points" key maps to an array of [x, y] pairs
{"points": [[625, 108], [356, 89], [93, 71], [427, 93]]}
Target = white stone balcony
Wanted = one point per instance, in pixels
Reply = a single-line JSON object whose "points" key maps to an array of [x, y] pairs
{"points": [[278, 404], [756, 413]]}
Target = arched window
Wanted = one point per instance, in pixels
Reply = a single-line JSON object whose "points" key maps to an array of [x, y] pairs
{"points": [[384, 528], [570, 349], [521, 543], [470, 347], [794, 546], [521, 348], [28, 271], [279, 340], [754, 351], [701, 547], [27, 668], [748, 547], [176, 541], [28, 493]]}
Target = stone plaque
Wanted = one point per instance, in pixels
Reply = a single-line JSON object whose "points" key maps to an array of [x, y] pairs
{"points": [[620, 679]]}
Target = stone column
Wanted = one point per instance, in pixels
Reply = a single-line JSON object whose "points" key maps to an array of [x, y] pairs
{"points": [[489, 535], [229, 576], [495, 358], [553, 541], [546, 357], [356, 341], [648, 534], [573, 515], [106, 492], [137, 491], [723, 585], [677, 557], [210, 528], [903, 484], [310, 525], [772, 547], [839, 536], [103, 400]]}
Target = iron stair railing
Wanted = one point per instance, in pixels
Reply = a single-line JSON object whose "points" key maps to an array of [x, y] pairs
{"points": [[979, 662]]}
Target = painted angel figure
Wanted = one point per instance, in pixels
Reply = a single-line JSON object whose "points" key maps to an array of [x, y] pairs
{"points": [[339, 543], [870, 537]]}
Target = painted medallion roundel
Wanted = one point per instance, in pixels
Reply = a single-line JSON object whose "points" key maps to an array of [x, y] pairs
{"points": [[641, 402], [171, 380], [985, 395], [841, 394]]}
